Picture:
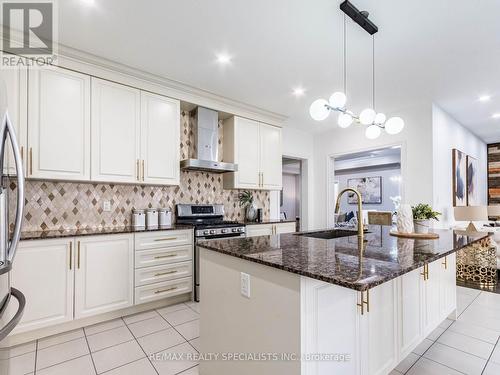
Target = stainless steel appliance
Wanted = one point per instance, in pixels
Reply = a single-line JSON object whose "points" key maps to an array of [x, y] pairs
{"points": [[208, 221], [8, 246], [206, 140]]}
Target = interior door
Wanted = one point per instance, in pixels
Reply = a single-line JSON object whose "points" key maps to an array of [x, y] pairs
{"points": [[59, 124], [270, 157], [115, 132], [247, 149], [160, 139], [104, 274]]}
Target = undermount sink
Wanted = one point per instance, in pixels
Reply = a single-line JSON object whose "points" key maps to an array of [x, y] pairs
{"points": [[329, 234]]}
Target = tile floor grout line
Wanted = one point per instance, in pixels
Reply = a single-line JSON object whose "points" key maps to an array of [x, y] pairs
{"points": [[460, 350], [183, 371], [140, 346], [125, 342], [90, 351], [472, 337], [60, 363], [459, 315], [36, 356], [126, 364], [439, 363], [182, 334], [105, 330], [60, 343], [488, 360]]}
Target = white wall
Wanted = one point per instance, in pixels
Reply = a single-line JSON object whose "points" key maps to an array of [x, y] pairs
{"points": [[447, 135], [416, 156]]}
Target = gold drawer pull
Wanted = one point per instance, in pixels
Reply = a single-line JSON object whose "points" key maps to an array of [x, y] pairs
{"points": [[165, 239], [165, 290], [165, 256], [165, 273], [445, 263]]}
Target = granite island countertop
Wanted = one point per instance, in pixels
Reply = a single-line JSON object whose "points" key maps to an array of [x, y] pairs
{"points": [[337, 260]]}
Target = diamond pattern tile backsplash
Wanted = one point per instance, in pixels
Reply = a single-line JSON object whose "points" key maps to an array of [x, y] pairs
{"points": [[69, 205]]}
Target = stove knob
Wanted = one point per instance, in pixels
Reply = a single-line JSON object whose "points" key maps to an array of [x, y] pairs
{"points": [[223, 231], [205, 232], [212, 231], [240, 230], [234, 230]]}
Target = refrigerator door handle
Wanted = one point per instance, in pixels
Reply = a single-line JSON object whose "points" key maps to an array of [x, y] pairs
{"points": [[5, 330], [9, 128]]}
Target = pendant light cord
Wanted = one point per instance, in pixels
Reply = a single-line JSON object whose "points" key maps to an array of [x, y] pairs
{"points": [[373, 71], [345, 58]]}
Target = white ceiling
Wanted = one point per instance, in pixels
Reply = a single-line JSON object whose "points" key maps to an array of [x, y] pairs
{"points": [[446, 51]]}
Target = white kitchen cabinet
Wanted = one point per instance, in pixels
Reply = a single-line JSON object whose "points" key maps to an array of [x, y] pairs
{"points": [[160, 127], [256, 149], [104, 276], [44, 271], [254, 230], [410, 325], [431, 314], [59, 124], [116, 121], [16, 84], [447, 297]]}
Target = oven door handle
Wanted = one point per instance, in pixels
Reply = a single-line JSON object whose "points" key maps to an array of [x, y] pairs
{"points": [[17, 317]]}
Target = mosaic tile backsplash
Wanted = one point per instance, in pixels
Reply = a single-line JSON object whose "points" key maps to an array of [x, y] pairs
{"points": [[55, 205]]}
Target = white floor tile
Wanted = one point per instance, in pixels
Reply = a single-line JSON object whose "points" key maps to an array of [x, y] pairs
{"points": [[194, 306], [148, 326], [446, 323], [492, 369], [117, 356], [191, 371], [20, 365], [142, 367], [481, 318], [195, 343], [473, 330], [406, 363], [466, 344], [109, 338], [139, 317], [59, 339], [159, 341], [181, 316], [463, 303], [61, 352], [14, 351], [394, 372], [189, 330], [172, 308], [434, 335], [455, 359], [425, 366], [468, 291], [78, 366], [171, 367], [495, 356], [489, 300], [423, 346], [100, 327]]}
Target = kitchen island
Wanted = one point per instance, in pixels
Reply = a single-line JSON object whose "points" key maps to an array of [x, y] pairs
{"points": [[295, 304]]}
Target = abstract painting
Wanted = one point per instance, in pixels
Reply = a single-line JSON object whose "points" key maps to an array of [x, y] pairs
{"points": [[472, 181], [370, 189], [459, 178]]}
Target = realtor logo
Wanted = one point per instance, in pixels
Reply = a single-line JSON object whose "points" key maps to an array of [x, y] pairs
{"points": [[29, 30]]}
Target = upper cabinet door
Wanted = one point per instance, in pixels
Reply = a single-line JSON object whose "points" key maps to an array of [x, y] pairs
{"points": [[270, 157], [115, 132], [16, 83], [160, 139], [247, 153], [59, 124]]}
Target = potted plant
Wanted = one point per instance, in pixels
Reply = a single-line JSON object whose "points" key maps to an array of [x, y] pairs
{"points": [[246, 200], [422, 215]]}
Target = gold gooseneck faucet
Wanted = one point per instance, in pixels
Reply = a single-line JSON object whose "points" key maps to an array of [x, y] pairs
{"points": [[361, 234]]}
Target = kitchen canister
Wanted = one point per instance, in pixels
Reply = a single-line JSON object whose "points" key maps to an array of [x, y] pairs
{"points": [[151, 218], [164, 217], [139, 218]]}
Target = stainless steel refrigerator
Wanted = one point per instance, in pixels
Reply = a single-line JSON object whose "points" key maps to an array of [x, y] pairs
{"points": [[9, 316]]}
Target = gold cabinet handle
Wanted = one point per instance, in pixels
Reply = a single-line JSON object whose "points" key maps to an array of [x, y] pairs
{"points": [[165, 290], [31, 161], [78, 264], [425, 272], [165, 273], [71, 255], [166, 239], [165, 256], [143, 170], [445, 263], [364, 302], [138, 171]]}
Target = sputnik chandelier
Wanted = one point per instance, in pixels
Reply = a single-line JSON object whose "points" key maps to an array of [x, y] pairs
{"points": [[374, 121]]}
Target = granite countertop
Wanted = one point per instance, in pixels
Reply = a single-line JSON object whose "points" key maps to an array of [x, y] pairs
{"points": [[336, 261], [48, 234], [267, 222]]}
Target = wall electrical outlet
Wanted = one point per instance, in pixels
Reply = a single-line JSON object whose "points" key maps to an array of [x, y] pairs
{"points": [[106, 206], [245, 285]]}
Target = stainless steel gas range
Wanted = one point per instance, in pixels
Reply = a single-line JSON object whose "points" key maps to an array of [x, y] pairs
{"points": [[208, 221]]}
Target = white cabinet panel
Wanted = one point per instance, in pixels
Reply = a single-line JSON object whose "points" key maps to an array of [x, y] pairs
{"points": [[104, 278], [282, 228], [270, 157], [160, 139], [448, 301], [431, 294], [16, 83], [153, 292], [59, 124], [255, 230], [44, 272], [115, 132], [410, 312]]}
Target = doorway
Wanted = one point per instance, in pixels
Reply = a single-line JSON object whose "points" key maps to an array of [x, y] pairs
{"points": [[290, 195]]}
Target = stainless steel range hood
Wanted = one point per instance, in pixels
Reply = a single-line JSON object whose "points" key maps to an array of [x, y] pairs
{"points": [[206, 140]]}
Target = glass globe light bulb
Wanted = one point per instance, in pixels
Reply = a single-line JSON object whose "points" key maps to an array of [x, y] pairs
{"points": [[319, 110], [379, 118], [338, 100], [394, 125], [344, 120], [367, 116], [372, 132]]}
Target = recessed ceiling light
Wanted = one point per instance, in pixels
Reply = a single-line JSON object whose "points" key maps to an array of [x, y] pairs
{"points": [[495, 115], [223, 58], [484, 98], [298, 91]]}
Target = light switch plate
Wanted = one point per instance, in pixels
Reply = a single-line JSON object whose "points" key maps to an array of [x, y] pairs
{"points": [[245, 285], [106, 206]]}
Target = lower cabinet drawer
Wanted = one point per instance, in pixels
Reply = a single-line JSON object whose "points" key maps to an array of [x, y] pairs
{"points": [[156, 274], [175, 254], [153, 292]]}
